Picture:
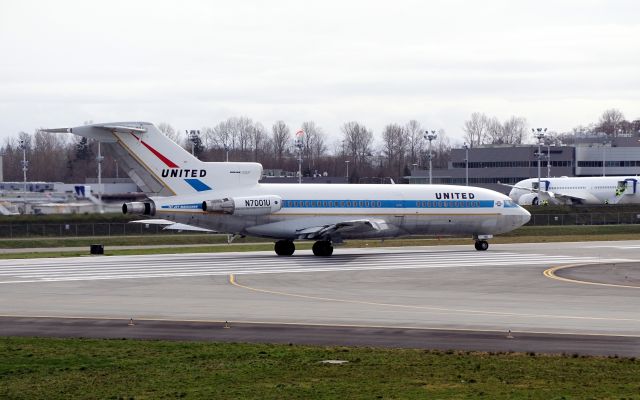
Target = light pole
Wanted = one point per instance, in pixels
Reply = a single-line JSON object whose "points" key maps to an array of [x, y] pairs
{"points": [[430, 136], [299, 145], [347, 163], [193, 136], [99, 159], [539, 134], [549, 159], [25, 165], [604, 143], [466, 163]]}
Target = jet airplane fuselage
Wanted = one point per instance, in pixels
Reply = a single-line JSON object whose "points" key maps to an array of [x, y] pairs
{"points": [[437, 210]]}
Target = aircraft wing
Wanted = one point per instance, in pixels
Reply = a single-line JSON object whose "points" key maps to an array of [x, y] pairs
{"points": [[517, 187], [360, 225], [584, 197], [172, 225]]}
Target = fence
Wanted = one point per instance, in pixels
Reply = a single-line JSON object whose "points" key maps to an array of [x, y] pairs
{"points": [[585, 219], [8, 231]]}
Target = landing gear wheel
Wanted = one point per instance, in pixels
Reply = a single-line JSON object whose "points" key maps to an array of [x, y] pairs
{"points": [[482, 245], [322, 248], [284, 247]]}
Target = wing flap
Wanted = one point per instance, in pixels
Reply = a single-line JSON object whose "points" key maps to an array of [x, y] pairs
{"points": [[361, 225]]}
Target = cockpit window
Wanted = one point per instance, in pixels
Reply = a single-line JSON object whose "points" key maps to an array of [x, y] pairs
{"points": [[510, 204]]}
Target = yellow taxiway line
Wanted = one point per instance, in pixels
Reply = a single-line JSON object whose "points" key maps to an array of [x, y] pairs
{"points": [[234, 282], [551, 274]]}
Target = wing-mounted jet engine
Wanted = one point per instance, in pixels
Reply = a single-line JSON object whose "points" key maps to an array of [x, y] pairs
{"points": [[244, 206]]}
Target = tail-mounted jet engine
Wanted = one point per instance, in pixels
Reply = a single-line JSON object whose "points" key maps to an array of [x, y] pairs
{"points": [[139, 207], [252, 205]]}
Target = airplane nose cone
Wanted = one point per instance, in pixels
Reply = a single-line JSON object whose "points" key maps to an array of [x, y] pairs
{"points": [[525, 215]]}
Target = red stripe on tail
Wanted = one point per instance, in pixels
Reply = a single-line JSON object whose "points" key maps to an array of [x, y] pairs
{"points": [[164, 159]]}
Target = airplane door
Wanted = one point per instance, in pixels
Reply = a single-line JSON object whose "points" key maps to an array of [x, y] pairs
{"points": [[403, 221], [545, 185], [628, 186]]}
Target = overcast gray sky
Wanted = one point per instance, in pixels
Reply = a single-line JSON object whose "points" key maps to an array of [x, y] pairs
{"points": [[195, 63]]}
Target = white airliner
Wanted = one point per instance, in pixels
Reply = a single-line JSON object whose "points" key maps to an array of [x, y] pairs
{"points": [[226, 197], [577, 190]]}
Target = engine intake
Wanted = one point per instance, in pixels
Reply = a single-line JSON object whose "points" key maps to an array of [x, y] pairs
{"points": [[139, 207], [251, 205]]}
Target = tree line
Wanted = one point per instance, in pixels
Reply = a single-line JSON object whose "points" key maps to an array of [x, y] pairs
{"points": [[69, 158], [398, 149]]}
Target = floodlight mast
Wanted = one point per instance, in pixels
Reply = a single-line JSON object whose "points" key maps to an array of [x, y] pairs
{"points": [[430, 136], [25, 165], [466, 163], [299, 144], [539, 134], [99, 159], [347, 164]]}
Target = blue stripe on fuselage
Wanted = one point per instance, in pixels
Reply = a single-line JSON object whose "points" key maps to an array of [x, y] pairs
{"points": [[387, 203]]}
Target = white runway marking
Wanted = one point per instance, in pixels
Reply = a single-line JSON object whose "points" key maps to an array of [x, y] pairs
{"points": [[618, 246], [186, 265]]}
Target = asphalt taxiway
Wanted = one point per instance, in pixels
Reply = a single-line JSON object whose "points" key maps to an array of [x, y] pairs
{"points": [[554, 297]]}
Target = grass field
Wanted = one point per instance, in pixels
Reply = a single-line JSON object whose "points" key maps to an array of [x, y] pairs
{"points": [[34, 368], [218, 243]]}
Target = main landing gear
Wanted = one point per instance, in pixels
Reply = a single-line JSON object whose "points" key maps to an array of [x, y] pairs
{"points": [[482, 245], [322, 248], [284, 247]]}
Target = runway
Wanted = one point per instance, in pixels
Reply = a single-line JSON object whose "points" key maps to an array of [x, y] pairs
{"points": [[452, 289]]}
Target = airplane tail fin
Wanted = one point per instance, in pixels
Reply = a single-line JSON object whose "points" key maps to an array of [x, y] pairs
{"points": [[159, 166]]}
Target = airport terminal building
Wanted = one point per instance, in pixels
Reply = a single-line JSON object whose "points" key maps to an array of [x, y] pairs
{"points": [[489, 165]]}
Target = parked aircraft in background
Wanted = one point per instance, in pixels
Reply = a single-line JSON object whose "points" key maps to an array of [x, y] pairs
{"points": [[226, 197], [577, 190]]}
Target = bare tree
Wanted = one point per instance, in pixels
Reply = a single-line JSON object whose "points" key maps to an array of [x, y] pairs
{"points": [[610, 122], [259, 141], [11, 156], [280, 139], [314, 145], [168, 131], [244, 128], [494, 133], [394, 148], [476, 129], [415, 141], [220, 135], [514, 130], [481, 129], [48, 156], [442, 150], [358, 141]]}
